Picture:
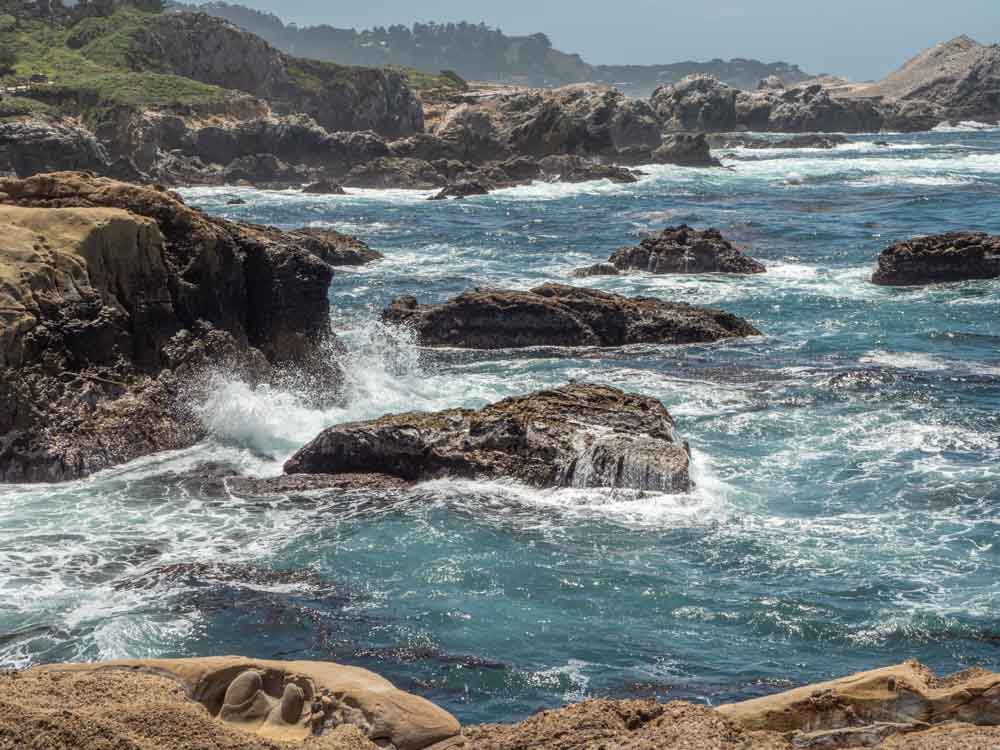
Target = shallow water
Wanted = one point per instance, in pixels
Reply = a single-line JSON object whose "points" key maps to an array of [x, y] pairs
{"points": [[847, 462]]}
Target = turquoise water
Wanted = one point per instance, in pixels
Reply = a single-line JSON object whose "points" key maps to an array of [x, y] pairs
{"points": [[848, 461]]}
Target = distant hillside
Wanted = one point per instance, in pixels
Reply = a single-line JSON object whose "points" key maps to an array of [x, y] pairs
{"points": [[480, 52]]}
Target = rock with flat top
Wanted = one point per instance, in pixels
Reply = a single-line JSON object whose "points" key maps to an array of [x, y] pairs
{"points": [[957, 256], [573, 436]]}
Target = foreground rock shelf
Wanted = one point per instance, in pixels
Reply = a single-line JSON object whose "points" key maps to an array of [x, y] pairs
{"points": [[248, 704], [560, 315], [577, 435]]}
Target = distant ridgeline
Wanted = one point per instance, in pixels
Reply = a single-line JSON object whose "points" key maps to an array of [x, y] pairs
{"points": [[479, 52]]}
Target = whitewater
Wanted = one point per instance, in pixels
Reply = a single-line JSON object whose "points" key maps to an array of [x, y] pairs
{"points": [[847, 462]]}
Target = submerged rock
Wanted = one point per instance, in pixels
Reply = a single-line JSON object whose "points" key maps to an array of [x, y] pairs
{"points": [[577, 435], [560, 315], [957, 256], [679, 250]]}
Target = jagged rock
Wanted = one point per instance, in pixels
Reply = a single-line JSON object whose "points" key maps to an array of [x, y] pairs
{"points": [[696, 103], [811, 140], [123, 297], [598, 269], [460, 190], [471, 134], [298, 483], [565, 168], [957, 256], [577, 435], [685, 150], [388, 173], [262, 170], [560, 315], [30, 146], [324, 187], [333, 247], [680, 250]]}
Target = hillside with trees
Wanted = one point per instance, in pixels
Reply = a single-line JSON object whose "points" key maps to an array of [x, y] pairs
{"points": [[481, 52]]}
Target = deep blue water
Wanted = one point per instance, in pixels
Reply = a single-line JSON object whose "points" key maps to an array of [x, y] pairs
{"points": [[848, 461]]}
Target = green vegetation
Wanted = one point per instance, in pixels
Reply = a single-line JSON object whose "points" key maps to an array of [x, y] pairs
{"points": [[91, 64], [16, 107]]}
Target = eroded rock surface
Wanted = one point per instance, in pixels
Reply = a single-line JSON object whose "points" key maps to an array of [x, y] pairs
{"points": [[958, 256], [119, 300], [577, 435], [560, 315], [679, 250]]}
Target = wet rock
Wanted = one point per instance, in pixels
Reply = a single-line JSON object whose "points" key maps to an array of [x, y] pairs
{"points": [[598, 269], [291, 484], [236, 202], [685, 250], [460, 190], [565, 168], [126, 300], [333, 247], [685, 150], [324, 187], [559, 315], [810, 140], [577, 435], [957, 256], [263, 170], [390, 173]]}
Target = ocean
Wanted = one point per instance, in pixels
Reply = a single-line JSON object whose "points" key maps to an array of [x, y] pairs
{"points": [[847, 462]]}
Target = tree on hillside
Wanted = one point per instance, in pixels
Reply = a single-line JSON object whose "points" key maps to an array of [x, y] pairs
{"points": [[7, 61]]}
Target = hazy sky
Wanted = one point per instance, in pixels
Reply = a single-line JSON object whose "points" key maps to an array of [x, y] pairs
{"points": [[856, 38]]}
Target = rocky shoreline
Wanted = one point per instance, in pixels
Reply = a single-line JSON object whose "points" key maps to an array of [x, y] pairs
{"points": [[251, 704]]}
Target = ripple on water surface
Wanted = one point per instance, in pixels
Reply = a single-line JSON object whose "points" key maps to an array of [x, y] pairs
{"points": [[846, 462]]}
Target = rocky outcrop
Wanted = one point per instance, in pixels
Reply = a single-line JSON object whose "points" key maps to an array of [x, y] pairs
{"points": [[577, 435], [116, 298], [585, 120], [333, 247], [678, 250], [957, 256], [559, 315], [704, 104], [566, 168], [210, 50], [35, 145], [685, 150], [226, 701], [324, 186]]}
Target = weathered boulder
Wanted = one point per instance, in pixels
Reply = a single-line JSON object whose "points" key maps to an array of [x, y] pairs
{"points": [[956, 256], [287, 701], [116, 298], [577, 435], [679, 250], [697, 103], [34, 145], [560, 315]]}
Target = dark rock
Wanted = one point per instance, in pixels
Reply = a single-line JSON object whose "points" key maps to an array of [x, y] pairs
{"points": [[957, 256], [236, 202], [810, 140], [685, 250], [387, 173], [598, 269], [559, 315], [460, 190], [577, 435], [353, 148], [566, 168], [333, 247], [33, 145], [292, 484], [324, 187], [685, 150], [261, 170]]}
